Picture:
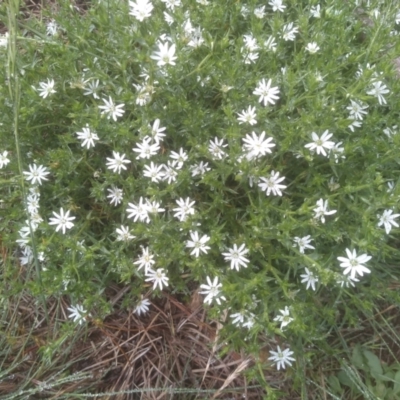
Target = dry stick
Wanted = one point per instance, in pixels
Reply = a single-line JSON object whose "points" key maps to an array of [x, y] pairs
{"points": [[230, 364], [215, 345], [119, 294], [243, 365]]}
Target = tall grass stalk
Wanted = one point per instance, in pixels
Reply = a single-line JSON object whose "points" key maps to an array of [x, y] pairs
{"points": [[15, 93]]}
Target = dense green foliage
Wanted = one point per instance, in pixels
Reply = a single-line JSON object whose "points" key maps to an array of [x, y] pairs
{"points": [[197, 98]]}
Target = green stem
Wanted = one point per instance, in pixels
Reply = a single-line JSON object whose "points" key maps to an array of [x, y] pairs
{"points": [[14, 89]]}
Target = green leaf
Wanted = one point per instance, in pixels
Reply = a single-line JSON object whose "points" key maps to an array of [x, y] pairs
{"points": [[345, 380], [397, 383], [356, 358], [380, 390], [334, 384], [374, 364]]}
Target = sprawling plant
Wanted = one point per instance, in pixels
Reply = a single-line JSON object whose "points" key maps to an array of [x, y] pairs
{"points": [[245, 150]]}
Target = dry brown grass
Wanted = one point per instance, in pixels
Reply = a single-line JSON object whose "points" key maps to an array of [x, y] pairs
{"points": [[171, 353]]}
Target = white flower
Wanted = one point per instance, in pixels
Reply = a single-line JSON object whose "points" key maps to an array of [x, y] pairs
{"points": [[321, 143], [248, 116], [285, 318], [270, 44], [27, 256], [378, 90], [185, 208], [171, 4], [187, 28], [154, 171], [315, 11], [243, 319], [142, 307], [180, 157], [250, 43], [354, 124], [36, 174], [199, 169], [267, 93], [196, 38], [154, 207], [4, 40], [397, 18], [388, 219], [338, 151], [165, 55], [271, 184], [4, 159], [362, 70], [117, 163], [390, 132], [346, 281], [259, 12], [51, 28], [141, 9], [256, 146], [236, 256], [288, 32], [169, 19], [321, 210], [46, 89], [375, 13], [32, 203], [144, 94], [87, 136], [34, 220], [170, 172], [198, 244], [303, 243], [244, 10], [158, 277], [93, 87], [212, 290], [34, 190], [354, 264], [250, 57], [226, 88], [249, 50], [123, 234], [111, 109], [139, 212], [250, 320], [309, 278], [252, 179], [77, 313], [62, 220], [215, 148], [319, 77], [145, 149], [156, 132], [115, 195], [281, 358], [24, 236], [312, 47], [146, 260], [238, 318], [277, 5], [357, 110]]}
